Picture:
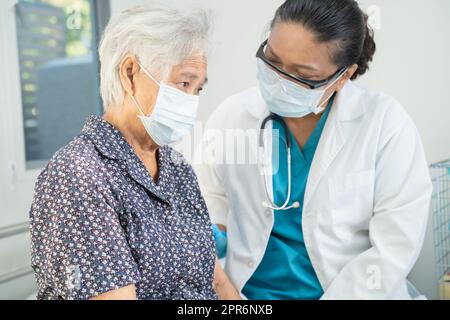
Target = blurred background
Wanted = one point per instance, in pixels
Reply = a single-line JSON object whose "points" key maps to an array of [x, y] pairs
{"points": [[49, 85]]}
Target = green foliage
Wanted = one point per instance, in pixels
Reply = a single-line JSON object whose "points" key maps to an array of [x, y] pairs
{"points": [[78, 24]]}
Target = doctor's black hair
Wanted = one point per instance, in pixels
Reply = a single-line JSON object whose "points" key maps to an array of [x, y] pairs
{"points": [[341, 22]]}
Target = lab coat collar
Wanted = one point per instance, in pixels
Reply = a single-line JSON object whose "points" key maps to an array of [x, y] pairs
{"points": [[350, 103]]}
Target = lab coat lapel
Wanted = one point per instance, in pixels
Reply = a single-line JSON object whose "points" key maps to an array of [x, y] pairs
{"points": [[330, 144], [348, 107]]}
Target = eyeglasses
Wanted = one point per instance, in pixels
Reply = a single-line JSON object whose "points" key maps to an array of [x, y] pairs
{"points": [[312, 84]]}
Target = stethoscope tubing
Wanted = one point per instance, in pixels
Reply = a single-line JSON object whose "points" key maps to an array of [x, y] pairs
{"points": [[270, 204]]}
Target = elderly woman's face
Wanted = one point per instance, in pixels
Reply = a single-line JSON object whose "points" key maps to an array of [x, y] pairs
{"points": [[189, 77], [141, 88]]}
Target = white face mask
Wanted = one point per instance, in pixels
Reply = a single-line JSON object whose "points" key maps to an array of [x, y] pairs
{"points": [[173, 116], [287, 99]]}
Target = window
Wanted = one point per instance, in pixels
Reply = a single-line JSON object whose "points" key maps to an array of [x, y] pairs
{"points": [[59, 71]]}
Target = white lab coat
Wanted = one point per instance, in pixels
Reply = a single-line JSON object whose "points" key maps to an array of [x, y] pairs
{"points": [[367, 198]]}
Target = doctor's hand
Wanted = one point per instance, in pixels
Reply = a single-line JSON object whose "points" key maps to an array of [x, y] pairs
{"points": [[223, 286]]}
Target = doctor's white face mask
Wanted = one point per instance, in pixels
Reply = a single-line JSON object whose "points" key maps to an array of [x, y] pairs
{"points": [[287, 99], [173, 116]]}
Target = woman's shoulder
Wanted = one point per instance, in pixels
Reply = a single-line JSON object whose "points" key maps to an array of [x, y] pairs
{"points": [[377, 102], [383, 117], [238, 108], [72, 179], [78, 158], [245, 98], [380, 109]]}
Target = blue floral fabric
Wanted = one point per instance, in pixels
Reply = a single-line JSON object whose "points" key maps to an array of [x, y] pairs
{"points": [[99, 222]]}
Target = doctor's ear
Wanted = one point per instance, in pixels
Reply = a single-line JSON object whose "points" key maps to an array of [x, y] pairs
{"points": [[128, 70], [346, 77]]}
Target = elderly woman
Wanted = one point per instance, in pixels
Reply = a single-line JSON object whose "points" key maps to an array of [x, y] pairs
{"points": [[117, 214]]}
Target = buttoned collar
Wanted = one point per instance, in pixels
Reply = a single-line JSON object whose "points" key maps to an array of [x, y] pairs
{"points": [[112, 144]]}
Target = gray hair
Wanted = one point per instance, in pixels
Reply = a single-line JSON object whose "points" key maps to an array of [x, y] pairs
{"points": [[159, 35]]}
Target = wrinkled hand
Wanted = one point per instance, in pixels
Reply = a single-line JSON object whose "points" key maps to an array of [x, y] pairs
{"points": [[223, 286]]}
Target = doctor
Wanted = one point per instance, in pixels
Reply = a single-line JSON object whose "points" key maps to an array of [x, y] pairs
{"points": [[345, 218]]}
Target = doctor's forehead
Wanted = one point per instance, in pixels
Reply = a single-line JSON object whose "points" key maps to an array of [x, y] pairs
{"points": [[295, 45]]}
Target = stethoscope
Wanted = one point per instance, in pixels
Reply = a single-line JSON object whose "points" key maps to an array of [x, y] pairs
{"points": [[270, 203]]}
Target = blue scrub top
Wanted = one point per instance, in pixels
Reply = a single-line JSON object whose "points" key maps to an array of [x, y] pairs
{"points": [[285, 271]]}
